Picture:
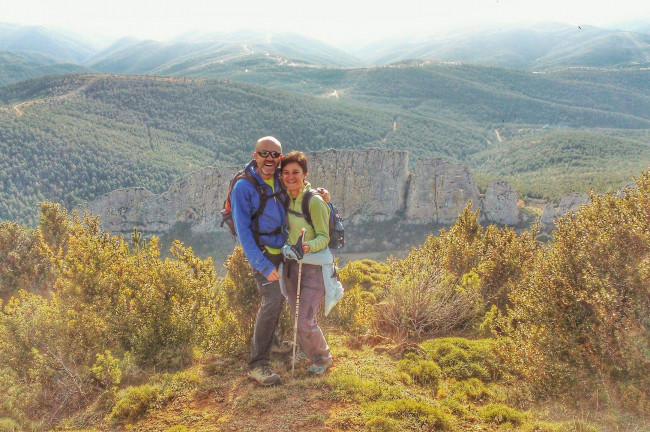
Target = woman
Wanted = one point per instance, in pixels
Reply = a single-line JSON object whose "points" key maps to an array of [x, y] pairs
{"points": [[312, 287]]}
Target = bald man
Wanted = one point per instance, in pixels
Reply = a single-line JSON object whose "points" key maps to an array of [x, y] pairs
{"points": [[258, 209]]}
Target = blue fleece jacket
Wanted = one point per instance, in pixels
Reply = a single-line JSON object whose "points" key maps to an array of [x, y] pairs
{"points": [[245, 200]]}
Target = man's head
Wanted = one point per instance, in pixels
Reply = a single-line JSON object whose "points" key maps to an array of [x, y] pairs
{"points": [[268, 154]]}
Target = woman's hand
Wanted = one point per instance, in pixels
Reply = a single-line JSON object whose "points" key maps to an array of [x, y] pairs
{"points": [[325, 194]]}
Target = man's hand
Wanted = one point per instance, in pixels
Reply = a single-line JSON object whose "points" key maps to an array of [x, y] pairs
{"points": [[273, 276], [325, 194], [305, 248]]}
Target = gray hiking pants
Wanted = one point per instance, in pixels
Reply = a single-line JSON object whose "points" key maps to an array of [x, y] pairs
{"points": [[268, 316], [312, 291]]}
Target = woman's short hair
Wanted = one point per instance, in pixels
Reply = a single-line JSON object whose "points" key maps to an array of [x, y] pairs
{"points": [[298, 157]]}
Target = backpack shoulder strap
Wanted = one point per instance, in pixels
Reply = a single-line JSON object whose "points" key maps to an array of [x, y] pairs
{"points": [[305, 205]]}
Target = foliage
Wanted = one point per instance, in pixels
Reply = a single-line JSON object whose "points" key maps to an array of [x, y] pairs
{"points": [[450, 280], [133, 402], [472, 389], [110, 305], [462, 359], [408, 414], [424, 372], [354, 312], [499, 413], [366, 273], [23, 265], [238, 300], [579, 319]]}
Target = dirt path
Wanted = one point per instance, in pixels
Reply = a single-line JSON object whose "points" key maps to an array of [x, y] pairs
{"points": [[19, 107]]}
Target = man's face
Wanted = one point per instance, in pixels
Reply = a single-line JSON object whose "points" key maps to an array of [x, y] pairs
{"points": [[266, 166]]}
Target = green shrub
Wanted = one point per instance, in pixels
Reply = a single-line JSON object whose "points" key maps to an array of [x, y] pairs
{"points": [[8, 425], [411, 415], [383, 424], [354, 312], [133, 402], [578, 321], [423, 372], [348, 387], [113, 308], [499, 413], [456, 407], [464, 358], [369, 275], [471, 390]]}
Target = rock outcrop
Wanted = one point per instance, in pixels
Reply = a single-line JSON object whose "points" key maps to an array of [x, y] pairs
{"points": [[369, 185], [500, 204], [569, 202], [438, 191]]}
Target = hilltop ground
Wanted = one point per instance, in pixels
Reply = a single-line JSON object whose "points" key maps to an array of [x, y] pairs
{"points": [[373, 385]]}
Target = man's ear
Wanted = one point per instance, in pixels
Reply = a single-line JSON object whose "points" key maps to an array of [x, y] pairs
{"points": [[254, 154]]}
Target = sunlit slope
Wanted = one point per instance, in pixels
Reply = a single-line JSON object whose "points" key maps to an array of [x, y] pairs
{"points": [[196, 52], [540, 46]]}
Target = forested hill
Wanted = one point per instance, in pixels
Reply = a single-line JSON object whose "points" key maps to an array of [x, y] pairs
{"points": [[489, 95], [19, 66], [74, 137]]}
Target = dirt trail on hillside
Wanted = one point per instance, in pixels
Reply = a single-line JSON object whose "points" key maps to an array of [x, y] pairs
{"points": [[19, 107]]}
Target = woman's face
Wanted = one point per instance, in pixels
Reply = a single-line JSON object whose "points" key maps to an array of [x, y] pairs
{"points": [[293, 177]]}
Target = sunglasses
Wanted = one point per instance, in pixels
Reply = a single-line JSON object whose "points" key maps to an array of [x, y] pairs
{"points": [[266, 153]]}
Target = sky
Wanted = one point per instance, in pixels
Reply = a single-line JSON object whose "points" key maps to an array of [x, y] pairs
{"points": [[334, 21]]}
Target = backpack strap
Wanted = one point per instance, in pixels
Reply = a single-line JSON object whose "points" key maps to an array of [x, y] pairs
{"points": [[304, 207], [263, 199]]}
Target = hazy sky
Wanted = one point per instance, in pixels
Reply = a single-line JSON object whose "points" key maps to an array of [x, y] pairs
{"points": [[334, 21]]}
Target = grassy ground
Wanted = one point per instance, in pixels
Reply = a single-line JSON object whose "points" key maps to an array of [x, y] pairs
{"points": [[452, 384]]}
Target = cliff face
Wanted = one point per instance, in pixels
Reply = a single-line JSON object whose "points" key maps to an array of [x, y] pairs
{"points": [[439, 190], [369, 185]]}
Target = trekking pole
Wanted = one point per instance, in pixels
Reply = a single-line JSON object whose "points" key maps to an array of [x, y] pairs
{"points": [[295, 325]]}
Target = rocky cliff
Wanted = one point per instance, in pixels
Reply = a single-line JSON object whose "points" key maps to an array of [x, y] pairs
{"points": [[369, 185]]}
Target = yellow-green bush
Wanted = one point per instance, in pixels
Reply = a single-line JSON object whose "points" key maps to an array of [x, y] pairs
{"points": [[579, 320], [369, 275], [499, 413], [133, 403], [450, 281], [424, 372], [473, 390], [354, 312], [409, 414], [108, 302], [23, 264], [462, 358]]}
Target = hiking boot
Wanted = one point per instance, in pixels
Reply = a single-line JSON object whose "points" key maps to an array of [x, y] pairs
{"points": [[264, 375], [300, 355], [320, 367]]}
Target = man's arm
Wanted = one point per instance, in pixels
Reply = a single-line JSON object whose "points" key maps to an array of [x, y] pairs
{"points": [[240, 200]]}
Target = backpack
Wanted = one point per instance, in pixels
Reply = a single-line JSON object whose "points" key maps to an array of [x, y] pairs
{"points": [[226, 211], [336, 230]]}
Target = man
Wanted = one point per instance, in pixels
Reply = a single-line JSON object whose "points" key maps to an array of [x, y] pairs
{"points": [[262, 236]]}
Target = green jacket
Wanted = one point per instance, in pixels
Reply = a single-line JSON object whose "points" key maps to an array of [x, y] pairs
{"points": [[317, 237]]}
